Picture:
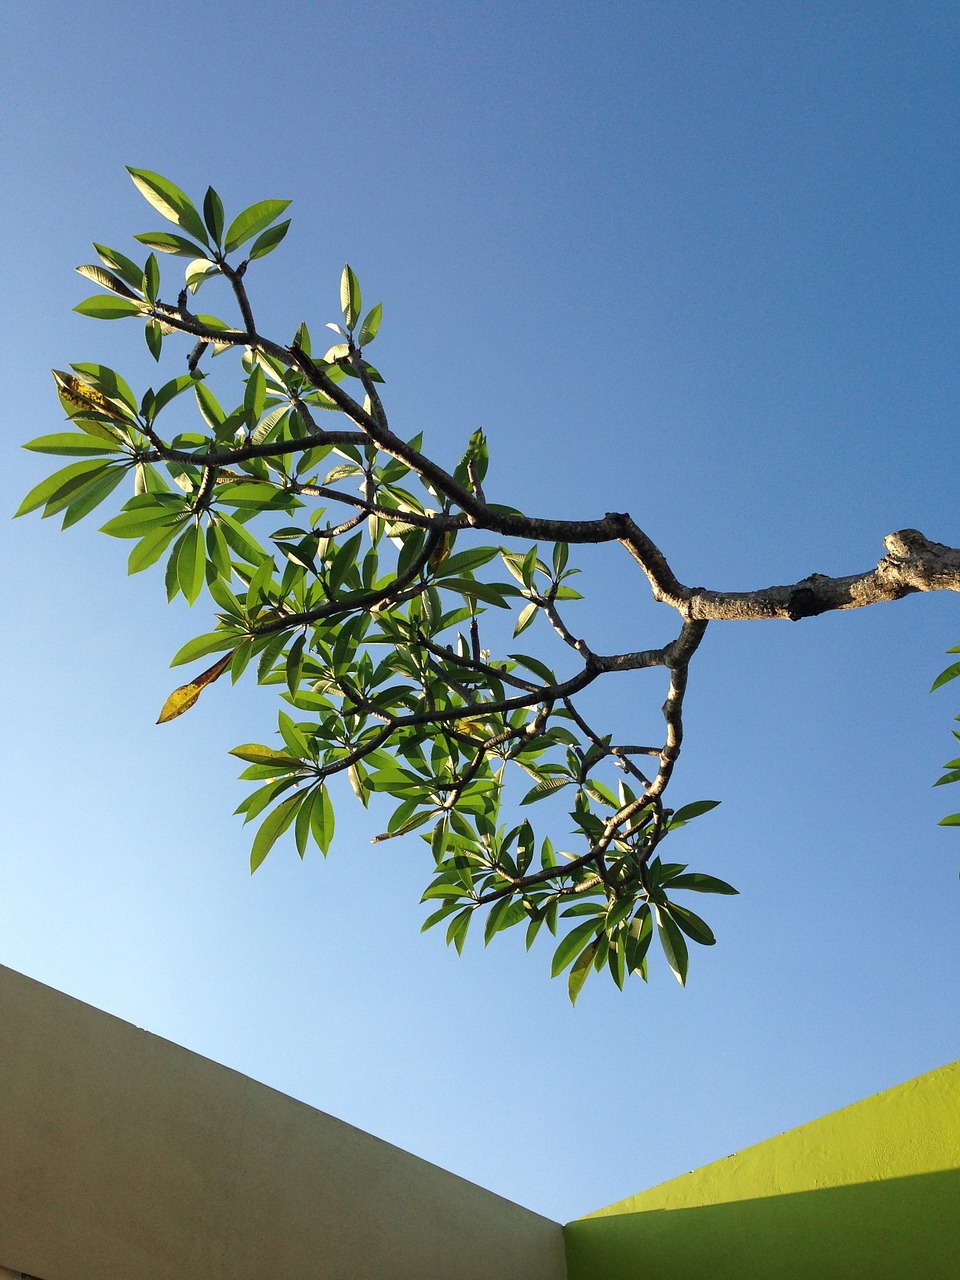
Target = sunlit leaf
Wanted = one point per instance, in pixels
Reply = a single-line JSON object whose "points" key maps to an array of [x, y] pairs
{"points": [[252, 220], [350, 299], [169, 200], [182, 699]]}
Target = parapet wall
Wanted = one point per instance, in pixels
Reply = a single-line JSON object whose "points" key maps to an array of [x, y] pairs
{"points": [[872, 1191], [125, 1157]]}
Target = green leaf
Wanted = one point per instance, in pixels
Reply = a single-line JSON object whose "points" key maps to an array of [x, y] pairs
{"points": [[503, 914], [255, 395], [272, 827], [269, 240], [167, 242], [527, 615], [65, 480], [109, 383], [545, 787], [151, 280], [581, 969], [93, 494], [571, 945], [370, 326], [701, 883], [691, 924], [107, 280], [170, 201], [191, 564], [539, 669], [153, 336], [693, 810], [255, 753], [952, 821], [107, 306], [170, 390], [242, 542], [212, 642], [210, 409], [72, 444], [639, 937], [198, 270], [151, 547], [457, 930], [322, 820], [350, 299], [465, 561], [252, 220], [213, 214], [945, 677], [143, 513], [124, 266], [674, 947]]}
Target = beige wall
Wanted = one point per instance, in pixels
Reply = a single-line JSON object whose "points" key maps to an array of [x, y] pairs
{"points": [[125, 1157]]}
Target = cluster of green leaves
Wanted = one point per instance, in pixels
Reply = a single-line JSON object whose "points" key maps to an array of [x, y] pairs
{"points": [[952, 767], [368, 604]]}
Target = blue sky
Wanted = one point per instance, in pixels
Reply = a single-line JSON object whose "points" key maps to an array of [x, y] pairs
{"points": [[698, 262]]}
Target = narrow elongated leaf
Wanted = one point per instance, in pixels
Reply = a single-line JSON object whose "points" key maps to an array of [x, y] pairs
{"points": [[106, 280], [63, 481], [94, 492], [257, 754], [457, 929], [545, 787], [151, 280], [151, 547], [210, 408], [571, 945], [350, 299], [242, 542], [167, 242], [72, 444], [701, 883], [322, 820], [693, 810], [213, 214], [581, 970], [527, 615], [125, 268], [370, 326], [182, 699], [191, 564], [944, 677], [212, 642], [107, 306], [167, 198], [268, 241], [692, 925], [674, 947], [273, 827], [252, 220]]}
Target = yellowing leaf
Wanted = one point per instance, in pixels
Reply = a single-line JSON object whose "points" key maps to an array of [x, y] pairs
{"points": [[440, 551], [79, 395], [182, 699]]}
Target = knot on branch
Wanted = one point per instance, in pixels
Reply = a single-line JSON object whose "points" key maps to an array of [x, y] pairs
{"points": [[917, 564], [804, 602], [910, 544]]}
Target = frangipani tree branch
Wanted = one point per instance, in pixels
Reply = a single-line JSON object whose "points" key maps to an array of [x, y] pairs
{"points": [[376, 615]]}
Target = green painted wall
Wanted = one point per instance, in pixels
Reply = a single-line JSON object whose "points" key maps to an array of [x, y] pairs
{"points": [[872, 1191]]}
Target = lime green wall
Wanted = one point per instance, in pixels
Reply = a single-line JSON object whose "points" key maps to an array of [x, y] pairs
{"points": [[872, 1190]]}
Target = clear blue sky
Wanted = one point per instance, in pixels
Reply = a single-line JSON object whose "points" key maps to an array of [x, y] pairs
{"points": [[698, 262]]}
